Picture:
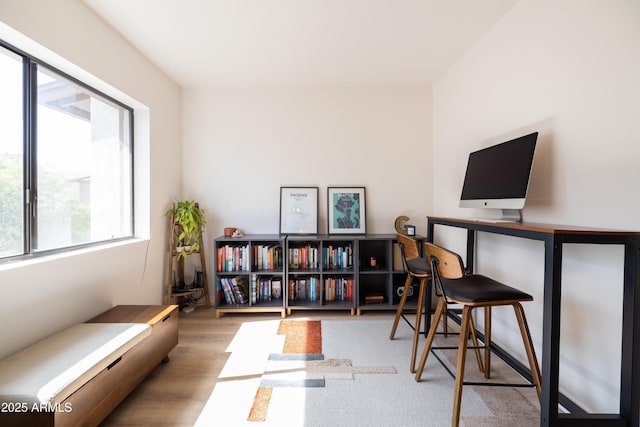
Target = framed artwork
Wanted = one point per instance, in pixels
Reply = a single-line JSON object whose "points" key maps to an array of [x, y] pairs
{"points": [[298, 210], [346, 210]]}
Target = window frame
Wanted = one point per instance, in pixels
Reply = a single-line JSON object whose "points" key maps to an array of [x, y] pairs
{"points": [[30, 65]]}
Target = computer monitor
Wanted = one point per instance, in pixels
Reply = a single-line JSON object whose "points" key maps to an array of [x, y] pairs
{"points": [[497, 177]]}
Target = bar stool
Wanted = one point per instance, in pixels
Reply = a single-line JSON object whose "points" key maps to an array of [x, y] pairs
{"points": [[416, 267], [471, 291]]}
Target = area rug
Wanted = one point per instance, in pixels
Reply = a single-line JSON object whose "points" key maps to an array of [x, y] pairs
{"points": [[345, 372]]}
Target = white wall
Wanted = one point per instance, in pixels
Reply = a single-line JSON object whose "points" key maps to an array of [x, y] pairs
{"points": [[43, 296], [568, 69], [242, 145]]}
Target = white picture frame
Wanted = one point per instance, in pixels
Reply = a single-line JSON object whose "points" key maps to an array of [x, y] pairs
{"points": [[299, 210]]}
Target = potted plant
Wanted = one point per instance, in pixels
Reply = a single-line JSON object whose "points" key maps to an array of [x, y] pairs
{"points": [[189, 220]]}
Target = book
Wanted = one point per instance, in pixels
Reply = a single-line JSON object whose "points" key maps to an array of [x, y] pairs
{"points": [[265, 288], [302, 290], [240, 287], [276, 288], [327, 288], [373, 299], [228, 293], [291, 291], [397, 258], [312, 292], [254, 289]]}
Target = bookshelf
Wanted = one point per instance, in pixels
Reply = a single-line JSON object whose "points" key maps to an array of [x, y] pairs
{"points": [[249, 274], [320, 273], [313, 272], [381, 275]]}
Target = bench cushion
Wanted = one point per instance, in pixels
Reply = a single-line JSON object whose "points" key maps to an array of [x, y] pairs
{"points": [[52, 369]]}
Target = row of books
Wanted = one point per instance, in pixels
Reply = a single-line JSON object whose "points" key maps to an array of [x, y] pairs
{"points": [[270, 257], [267, 257], [308, 289], [232, 258], [338, 289], [265, 288], [236, 257], [305, 257], [235, 289], [340, 257], [239, 291]]}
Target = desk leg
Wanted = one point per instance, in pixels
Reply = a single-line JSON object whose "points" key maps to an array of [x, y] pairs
{"points": [[551, 331], [630, 364], [471, 250]]}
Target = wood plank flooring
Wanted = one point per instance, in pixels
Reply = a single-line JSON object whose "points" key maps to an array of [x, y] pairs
{"points": [[175, 393]]}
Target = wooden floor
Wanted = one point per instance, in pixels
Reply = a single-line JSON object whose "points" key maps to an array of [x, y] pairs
{"points": [[175, 393]]}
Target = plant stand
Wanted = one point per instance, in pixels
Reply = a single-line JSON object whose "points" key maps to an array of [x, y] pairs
{"points": [[176, 265]]}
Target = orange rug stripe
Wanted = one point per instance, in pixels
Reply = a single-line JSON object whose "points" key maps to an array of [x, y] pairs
{"points": [[301, 336], [260, 404]]}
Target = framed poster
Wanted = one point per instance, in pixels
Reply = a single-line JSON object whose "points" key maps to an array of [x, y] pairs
{"points": [[346, 210], [298, 210]]}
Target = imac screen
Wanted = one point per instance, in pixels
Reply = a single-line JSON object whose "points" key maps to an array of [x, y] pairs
{"points": [[498, 176]]}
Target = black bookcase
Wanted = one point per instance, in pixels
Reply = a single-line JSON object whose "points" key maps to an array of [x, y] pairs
{"points": [[309, 272]]}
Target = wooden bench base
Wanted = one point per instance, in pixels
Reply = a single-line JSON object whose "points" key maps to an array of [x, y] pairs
{"points": [[92, 402]]}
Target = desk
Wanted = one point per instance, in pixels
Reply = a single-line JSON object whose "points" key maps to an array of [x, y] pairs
{"points": [[554, 237]]}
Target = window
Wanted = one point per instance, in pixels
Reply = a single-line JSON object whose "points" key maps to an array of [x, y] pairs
{"points": [[66, 173], [11, 156]]}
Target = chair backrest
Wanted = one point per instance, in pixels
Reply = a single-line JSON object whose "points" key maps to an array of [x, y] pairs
{"points": [[408, 247], [447, 265]]}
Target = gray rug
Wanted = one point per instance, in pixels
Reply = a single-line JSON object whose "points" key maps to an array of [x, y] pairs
{"points": [[361, 379]]}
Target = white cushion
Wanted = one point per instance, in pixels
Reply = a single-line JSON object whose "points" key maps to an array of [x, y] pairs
{"points": [[52, 369]]}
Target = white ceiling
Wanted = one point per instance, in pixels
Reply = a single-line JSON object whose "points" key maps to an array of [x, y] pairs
{"points": [[249, 43]]}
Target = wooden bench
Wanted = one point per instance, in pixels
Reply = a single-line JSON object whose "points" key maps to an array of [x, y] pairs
{"points": [[79, 375]]}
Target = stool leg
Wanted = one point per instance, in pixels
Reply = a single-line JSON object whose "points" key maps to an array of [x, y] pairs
{"points": [[528, 345], [416, 331], [400, 308], [487, 342], [462, 352], [441, 308], [445, 325], [474, 339]]}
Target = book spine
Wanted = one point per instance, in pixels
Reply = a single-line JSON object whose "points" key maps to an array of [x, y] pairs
{"points": [[254, 289], [276, 288], [228, 293]]}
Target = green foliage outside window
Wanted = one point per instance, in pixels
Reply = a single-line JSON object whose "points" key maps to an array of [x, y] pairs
{"points": [[10, 205]]}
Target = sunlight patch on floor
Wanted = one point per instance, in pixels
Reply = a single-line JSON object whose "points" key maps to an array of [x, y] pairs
{"points": [[233, 396], [250, 348]]}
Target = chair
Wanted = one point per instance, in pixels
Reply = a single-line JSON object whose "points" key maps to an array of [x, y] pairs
{"points": [[471, 291], [416, 267]]}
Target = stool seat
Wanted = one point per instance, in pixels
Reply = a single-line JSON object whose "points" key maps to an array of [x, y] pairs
{"points": [[476, 288], [418, 266]]}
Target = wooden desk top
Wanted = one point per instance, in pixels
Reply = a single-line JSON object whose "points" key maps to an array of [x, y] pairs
{"points": [[149, 314], [539, 228]]}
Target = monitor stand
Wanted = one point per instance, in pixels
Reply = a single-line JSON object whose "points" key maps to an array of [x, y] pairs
{"points": [[511, 215], [508, 215]]}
